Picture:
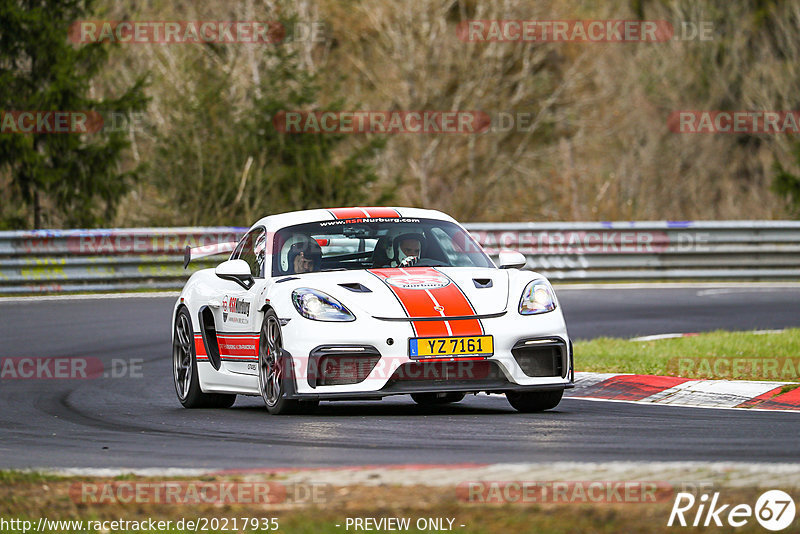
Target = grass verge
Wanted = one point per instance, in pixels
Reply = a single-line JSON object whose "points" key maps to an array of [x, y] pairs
{"points": [[716, 355], [26, 497]]}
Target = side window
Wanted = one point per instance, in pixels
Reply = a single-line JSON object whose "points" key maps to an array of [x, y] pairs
{"points": [[252, 249]]}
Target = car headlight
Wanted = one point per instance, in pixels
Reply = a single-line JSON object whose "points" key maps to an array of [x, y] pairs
{"points": [[318, 306], [537, 297]]}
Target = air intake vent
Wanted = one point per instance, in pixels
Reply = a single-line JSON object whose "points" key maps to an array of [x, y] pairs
{"points": [[482, 283], [339, 365], [355, 287], [541, 357]]}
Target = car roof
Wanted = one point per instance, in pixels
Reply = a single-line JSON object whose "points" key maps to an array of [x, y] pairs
{"points": [[282, 220]]}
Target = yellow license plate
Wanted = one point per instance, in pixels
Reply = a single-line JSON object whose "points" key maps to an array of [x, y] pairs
{"points": [[440, 347]]}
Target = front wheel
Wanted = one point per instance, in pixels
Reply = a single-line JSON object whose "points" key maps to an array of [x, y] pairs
{"points": [[184, 369], [534, 401], [274, 370]]}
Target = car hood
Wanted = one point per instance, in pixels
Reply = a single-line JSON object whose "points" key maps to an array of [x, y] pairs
{"points": [[415, 292]]}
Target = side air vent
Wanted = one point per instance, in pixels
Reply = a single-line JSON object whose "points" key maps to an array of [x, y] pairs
{"points": [[356, 287], [209, 332], [482, 283], [286, 279]]}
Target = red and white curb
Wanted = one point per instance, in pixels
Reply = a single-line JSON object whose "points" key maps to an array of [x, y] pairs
{"points": [[676, 391]]}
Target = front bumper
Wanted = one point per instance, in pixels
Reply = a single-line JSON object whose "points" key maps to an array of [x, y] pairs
{"points": [[394, 373]]}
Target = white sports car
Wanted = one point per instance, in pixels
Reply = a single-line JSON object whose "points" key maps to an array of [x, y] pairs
{"points": [[362, 303]]}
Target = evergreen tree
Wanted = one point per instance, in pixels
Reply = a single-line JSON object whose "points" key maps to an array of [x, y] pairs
{"points": [[225, 162], [57, 179], [787, 184]]}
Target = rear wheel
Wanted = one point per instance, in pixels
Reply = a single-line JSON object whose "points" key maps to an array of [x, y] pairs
{"points": [[534, 401], [274, 371], [428, 399], [184, 369]]}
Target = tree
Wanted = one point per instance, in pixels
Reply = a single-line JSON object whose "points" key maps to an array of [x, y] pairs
{"points": [[304, 171], [787, 185], [72, 179], [223, 161]]}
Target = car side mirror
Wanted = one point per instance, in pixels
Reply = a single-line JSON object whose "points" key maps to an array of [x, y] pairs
{"points": [[236, 271], [511, 259]]}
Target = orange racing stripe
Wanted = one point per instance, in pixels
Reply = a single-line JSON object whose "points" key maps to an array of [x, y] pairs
{"points": [[422, 303], [242, 347], [361, 213], [199, 347], [348, 213], [231, 346], [386, 213]]}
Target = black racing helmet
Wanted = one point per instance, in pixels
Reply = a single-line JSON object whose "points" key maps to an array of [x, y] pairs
{"points": [[310, 249]]}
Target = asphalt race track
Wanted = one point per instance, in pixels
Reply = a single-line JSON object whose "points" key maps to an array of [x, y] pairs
{"points": [[138, 422]]}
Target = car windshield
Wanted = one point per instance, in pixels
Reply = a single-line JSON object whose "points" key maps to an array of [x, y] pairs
{"points": [[387, 243]]}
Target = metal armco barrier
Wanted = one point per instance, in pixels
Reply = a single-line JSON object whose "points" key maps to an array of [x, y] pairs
{"points": [[651, 250], [53, 261], [127, 259]]}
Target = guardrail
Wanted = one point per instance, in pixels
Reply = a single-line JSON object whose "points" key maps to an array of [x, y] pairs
{"points": [[651, 250], [54, 261], [127, 259]]}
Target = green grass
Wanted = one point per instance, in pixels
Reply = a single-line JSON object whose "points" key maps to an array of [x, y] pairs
{"points": [[720, 354], [15, 477], [29, 496]]}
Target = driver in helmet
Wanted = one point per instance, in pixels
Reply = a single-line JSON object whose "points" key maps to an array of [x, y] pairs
{"points": [[408, 248], [305, 257]]}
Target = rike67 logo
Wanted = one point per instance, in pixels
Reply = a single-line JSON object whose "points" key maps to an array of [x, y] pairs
{"points": [[774, 510]]}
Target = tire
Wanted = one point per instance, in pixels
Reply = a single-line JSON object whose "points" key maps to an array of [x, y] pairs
{"points": [[534, 401], [433, 399], [184, 368], [272, 375]]}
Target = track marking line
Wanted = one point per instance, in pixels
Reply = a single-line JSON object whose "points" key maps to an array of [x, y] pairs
{"points": [[675, 285], [656, 337], [93, 296]]}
